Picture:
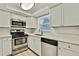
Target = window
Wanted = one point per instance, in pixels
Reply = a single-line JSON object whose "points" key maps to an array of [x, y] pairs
{"points": [[45, 23]]}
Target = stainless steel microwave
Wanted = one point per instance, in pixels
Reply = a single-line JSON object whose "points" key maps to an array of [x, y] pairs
{"points": [[18, 23]]}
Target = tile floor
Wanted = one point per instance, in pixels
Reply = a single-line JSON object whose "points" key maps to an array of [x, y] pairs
{"points": [[26, 53]]}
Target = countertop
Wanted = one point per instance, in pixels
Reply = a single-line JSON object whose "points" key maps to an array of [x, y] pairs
{"points": [[73, 39], [4, 35]]}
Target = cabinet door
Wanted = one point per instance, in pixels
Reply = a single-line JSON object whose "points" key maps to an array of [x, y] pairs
{"points": [[66, 52], [34, 43], [31, 22], [19, 17], [7, 46], [71, 14], [27, 22], [37, 45], [0, 47], [56, 15], [5, 19], [15, 16], [30, 42], [34, 22]]}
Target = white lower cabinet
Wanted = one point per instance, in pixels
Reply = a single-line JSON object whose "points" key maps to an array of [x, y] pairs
{"points": [[0, 47], [67, 49], [67, 52], [37, 44], [7, 46], [30, 42], [34, 43], [65, 14]]}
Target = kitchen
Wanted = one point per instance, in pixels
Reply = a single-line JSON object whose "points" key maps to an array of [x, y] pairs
{"points": [[39, 29]]}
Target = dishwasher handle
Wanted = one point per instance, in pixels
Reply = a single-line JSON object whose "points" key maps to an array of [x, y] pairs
{"points": [[49, 41]]}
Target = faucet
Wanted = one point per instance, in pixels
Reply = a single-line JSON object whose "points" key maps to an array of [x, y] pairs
{"points": [[41, 32]]}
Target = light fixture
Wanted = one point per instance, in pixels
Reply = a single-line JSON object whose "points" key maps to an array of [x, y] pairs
{"points": [[26, 6]]}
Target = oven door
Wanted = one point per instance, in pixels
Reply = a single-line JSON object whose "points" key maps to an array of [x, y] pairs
{"points": [[19, 42]]}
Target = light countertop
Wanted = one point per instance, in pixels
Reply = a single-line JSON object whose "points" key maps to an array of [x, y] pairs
{"points": [[73, 39], [4, 35]]}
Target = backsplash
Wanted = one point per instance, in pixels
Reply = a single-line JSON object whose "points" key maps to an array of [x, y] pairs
{"points": [[64, 31], [68, 30], [30, 30]]}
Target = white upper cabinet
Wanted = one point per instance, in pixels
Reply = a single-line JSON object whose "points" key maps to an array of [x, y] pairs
{"points": [[56, 15], [19, 17], [71, 14], [5, 19], [65, 15], [31, 22], [2, 5]]}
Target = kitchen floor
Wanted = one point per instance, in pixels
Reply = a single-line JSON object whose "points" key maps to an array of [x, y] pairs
{"points": [[26, 53]]}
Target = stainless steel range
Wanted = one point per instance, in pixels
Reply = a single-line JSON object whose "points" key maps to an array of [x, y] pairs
{"points": [[19, 39]]}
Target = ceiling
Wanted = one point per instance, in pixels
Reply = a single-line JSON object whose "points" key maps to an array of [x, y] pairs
{"points": [[39, 6], [36, 7]]}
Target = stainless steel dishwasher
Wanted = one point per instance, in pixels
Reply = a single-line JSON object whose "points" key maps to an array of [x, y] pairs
{"points": [[49, 47]]}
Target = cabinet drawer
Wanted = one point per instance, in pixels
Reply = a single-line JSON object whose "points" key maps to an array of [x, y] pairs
{"points": [[69, 46], [74, 47], [63, 44]]}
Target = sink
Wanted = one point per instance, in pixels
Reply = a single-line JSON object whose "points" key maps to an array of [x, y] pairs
{"points": [[38, 34]]}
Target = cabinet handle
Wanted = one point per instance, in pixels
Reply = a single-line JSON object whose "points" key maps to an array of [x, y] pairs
{"points": [[69, 46]]}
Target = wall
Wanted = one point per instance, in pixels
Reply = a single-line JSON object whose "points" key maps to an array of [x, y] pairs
{"points": [[30, 30], [5, 31], [64, 32]]}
